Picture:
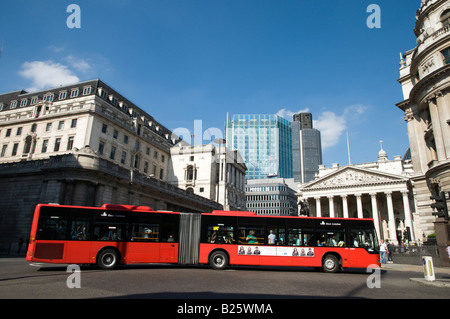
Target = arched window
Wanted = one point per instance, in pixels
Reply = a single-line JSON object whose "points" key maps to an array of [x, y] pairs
{"points": [[191, 173], [445, 18]]}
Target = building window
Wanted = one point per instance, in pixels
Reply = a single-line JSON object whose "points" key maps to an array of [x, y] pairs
{"points": [[8, 133], [61, 125], [101, 147], [62, 95], [15, 147], [124, 157], [112, 155], [191, 173], [104, 128], [49, 97], [57, 144], [34, 100], [125, 139], [445, 18], [23, 102], [161, 173], [4, 147], [19, 131], [44, 146], [33, 128], [73, 124], [115, 134], [2, 105], [13, 104], [163, 158], [146, 167], [74, 93], [48, 128], [446, 55], [87, 90], [70, 143]]}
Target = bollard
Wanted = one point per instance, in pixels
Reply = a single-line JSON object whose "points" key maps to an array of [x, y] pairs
{"points": [[428, 268]]}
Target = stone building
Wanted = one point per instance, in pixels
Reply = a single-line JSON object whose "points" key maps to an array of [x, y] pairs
{"points": [[425, 81], [378, 190], [52, 122], [214, 172], [82, 144]]}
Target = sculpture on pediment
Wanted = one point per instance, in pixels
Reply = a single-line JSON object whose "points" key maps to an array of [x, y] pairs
{"points": [[351, 177]]}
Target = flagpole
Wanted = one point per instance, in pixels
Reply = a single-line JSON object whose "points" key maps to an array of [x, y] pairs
{"points": [[348, 151]]}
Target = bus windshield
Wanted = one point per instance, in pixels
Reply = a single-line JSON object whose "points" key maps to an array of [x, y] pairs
{"points": [[366, 238]]}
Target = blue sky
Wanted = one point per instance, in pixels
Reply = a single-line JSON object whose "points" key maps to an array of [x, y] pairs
{"points": [[187, 60]]}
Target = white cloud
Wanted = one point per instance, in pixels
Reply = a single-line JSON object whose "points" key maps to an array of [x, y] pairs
{"points": [[331, 127], [78, 64], [330, 124], [288, 114], [45, 74]]}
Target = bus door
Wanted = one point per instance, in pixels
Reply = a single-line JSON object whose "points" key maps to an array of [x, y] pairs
{"points": [[331, 235]]}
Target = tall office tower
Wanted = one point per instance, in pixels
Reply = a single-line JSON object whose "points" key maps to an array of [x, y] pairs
{"points": [[306, 148], [265, 143]]}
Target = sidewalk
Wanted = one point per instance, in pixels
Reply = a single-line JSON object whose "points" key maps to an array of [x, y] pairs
{"points": [[439, 282]]}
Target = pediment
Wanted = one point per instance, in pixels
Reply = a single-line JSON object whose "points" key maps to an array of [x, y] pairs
{"points": [[350, 176]]}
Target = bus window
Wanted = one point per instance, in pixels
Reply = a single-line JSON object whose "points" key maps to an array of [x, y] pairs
{"points": [[364, 238], [144, 232], [300, 237], [251, 235], [169, 228], [80, 226], [331, 237], [53, 224], [110, 230], [220, 234]]}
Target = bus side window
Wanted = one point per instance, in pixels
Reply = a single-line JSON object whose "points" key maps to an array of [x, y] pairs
{"points": [[53, 225], [331, 238], [79, 229]]}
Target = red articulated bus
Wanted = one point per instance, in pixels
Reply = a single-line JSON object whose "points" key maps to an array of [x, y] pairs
{"points": [[124, 234]]}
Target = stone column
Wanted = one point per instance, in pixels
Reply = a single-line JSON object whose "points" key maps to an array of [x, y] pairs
{"points": [[437, 130], [331, 204], [345, 205], [359, 205], [376, 219], [318, 208], [392, 229], [407, 212]]}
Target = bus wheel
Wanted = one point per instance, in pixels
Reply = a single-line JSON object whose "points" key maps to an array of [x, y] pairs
{"points": [[107, 259], [218, 260], [330, 264]]}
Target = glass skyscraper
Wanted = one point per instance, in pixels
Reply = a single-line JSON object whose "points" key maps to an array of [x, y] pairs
{"points": [[264, 142]]}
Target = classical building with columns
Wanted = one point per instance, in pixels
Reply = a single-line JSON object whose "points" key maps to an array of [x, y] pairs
{"points": [[425, 81], [380, 190]]}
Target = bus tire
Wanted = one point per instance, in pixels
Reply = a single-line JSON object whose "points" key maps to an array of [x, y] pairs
{"points": [[108, 259], [330, 264], [218, 260]]}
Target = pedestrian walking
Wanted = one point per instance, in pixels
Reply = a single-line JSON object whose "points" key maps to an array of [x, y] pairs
{"points": [[390, 250], [383, 249]]}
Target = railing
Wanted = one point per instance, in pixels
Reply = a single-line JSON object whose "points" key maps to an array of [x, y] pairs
{"points": [[440, 32], [412, 254]]}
